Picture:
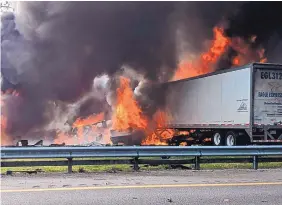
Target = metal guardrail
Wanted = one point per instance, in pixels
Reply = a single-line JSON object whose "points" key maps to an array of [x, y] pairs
{"points": [[134, 152]]}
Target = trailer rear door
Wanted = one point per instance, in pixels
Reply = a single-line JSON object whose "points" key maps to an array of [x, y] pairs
{"points": [[268, 95]]}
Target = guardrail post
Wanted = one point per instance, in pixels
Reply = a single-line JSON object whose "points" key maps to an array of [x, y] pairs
{"points": [[197, 163], [69, 165], [255, 162], [135, 164]]}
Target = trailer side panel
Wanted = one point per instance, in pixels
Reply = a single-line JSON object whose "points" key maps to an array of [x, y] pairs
{"points": [[218, 100]]}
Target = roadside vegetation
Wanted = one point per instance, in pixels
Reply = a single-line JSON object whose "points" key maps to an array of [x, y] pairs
{"points": [[129, 168]]}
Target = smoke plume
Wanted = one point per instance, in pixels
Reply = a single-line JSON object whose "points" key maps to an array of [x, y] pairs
{"points": [[262, 19]]}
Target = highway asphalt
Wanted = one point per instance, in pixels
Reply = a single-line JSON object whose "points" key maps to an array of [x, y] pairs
{"points": [[158, 187]]}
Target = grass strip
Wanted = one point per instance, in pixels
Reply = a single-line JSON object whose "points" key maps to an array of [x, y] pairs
{"points": [[128, 168]]}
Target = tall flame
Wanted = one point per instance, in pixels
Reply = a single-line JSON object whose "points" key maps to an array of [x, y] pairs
{"points": [[127, 113], [218, 47], [207, 60]]}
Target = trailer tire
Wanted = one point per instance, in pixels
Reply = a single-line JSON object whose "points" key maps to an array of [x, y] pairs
{"points": [[230, 138], [217, 139]]}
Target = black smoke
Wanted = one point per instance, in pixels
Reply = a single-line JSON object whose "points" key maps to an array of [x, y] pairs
{"points": [[64, 45], [262, 19]]}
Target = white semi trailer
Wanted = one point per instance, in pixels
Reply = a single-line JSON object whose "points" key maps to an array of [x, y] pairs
{"points": [[234, 106]]}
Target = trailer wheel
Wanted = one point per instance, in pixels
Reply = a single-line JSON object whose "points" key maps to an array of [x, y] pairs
{"points": [[230, 138], [217, 139]]}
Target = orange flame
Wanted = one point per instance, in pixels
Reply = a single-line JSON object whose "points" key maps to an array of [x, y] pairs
{"points": [[92, 119], [127, 113], [79, 125], [5, 138], [218, 47], [236, 61], [245, 53], [207, 60], [158, 135]]}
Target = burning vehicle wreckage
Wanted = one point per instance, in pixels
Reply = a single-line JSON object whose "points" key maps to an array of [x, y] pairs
{"points": [[72, 134], [229, 122], [94, 82]]}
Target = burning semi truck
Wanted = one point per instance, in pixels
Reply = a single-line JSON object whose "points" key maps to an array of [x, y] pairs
{"points": [[241, 105]]}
